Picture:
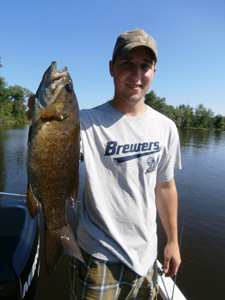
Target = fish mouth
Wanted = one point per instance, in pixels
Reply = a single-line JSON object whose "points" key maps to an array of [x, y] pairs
{"points": [[52, 83], [57, 75], [58, 79]]}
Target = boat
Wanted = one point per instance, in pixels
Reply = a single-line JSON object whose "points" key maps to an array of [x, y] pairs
{"points": [[19, 249], [20, 253]]}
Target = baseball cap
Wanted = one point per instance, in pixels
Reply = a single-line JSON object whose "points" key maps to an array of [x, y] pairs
{"points": [[128, 40]]}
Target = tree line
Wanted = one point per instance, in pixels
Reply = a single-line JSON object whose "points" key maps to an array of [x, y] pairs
{"points": [[186, 116], [13, 107], [13, 102]]}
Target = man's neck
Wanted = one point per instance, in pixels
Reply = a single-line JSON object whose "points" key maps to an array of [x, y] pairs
{"points": [[132, 110]]}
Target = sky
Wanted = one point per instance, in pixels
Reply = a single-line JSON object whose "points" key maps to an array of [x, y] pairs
{"points": [[81, 35]]}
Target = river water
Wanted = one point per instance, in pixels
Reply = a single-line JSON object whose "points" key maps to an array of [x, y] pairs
{"points": [[201, 190]]}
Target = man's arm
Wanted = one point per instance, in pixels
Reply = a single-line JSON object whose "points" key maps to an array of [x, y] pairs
{"points": [[166, 201]]}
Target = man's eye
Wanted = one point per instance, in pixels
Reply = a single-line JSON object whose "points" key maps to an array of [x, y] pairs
{"points": [[127, 63], [147, 66]]}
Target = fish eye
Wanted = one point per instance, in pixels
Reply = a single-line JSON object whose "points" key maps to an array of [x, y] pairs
{"points": [[69, 87]]}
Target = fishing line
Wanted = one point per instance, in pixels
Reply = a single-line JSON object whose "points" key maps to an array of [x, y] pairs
{"points": [[181, 235], [10, 194]]}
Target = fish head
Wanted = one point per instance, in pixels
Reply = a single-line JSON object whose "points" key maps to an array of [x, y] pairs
{"points": [[55, 95]]}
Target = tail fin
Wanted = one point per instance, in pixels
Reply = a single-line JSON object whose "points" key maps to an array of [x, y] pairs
{"points": [[58, 242]]}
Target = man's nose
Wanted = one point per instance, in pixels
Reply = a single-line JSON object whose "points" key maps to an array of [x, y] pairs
{"points": [[136, 71]]}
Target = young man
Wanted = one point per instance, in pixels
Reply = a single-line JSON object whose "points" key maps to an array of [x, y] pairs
{"points": [[130, 152]]}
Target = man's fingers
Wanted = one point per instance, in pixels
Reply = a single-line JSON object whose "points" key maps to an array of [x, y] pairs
{"points": [[166, 266], [31, 101], [170, 268], [28, 114], [30, 104]]}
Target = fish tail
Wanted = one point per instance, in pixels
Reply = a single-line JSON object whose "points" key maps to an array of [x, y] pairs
{"points": [[58, 242]]}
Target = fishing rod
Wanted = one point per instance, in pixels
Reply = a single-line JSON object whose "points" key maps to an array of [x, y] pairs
{"points": [[181, 235], [10, 194]]}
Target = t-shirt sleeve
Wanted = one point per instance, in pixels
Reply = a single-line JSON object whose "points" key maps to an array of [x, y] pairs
{"points": [[171, 158]]}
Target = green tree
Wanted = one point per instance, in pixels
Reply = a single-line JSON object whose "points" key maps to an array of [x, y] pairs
{"points": [[169, 111], [178, 117], [12, 102], [219, 122], [155, 102], [209, 118], [187, 115], [18, 96], [5, 105], [203, 117]]}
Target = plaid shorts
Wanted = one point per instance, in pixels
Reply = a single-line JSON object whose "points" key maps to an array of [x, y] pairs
{"points": [[97, 279]]}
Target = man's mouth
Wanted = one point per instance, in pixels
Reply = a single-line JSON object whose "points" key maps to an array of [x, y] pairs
{"points": [[134, 86]]}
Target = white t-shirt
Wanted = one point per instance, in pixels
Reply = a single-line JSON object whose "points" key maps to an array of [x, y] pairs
{"points": [[124, 158]]}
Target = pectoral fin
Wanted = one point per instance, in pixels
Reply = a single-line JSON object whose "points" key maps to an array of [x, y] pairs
{"points": [[49, 112], [33, 206]]}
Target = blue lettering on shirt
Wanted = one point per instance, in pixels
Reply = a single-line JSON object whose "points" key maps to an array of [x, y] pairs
{"points": [[141, 149]]}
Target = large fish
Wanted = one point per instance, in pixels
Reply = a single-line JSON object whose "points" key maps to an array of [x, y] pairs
{"points": [[53, 161]]}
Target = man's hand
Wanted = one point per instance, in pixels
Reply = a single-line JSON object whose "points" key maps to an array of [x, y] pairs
{"points": [[172, 259], [30, 104], [166, 200]]}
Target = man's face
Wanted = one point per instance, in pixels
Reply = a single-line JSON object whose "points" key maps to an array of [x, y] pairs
{"points": [[132, 76]]}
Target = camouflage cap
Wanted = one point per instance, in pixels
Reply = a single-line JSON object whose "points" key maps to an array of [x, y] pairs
{"points": [[128, 40]]}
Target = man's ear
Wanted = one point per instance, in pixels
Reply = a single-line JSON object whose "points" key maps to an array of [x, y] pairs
{"points": [[111, 68]]}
